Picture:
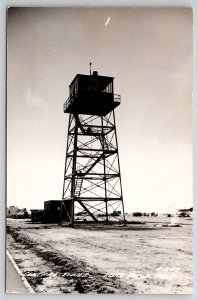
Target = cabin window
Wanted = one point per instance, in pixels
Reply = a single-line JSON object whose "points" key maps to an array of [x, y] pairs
{"points": [[91, 83], [95, 84], [73, 89]]}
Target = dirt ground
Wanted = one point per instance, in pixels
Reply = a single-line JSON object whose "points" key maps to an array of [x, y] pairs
{"points": [[141, 259]]}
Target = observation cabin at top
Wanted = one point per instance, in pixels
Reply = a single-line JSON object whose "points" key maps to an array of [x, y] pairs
{"points": [[91, 95]]}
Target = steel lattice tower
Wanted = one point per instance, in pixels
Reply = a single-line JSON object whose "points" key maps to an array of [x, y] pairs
{"points": [[92, 179]]}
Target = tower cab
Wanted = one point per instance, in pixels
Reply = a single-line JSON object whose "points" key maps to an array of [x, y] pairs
{"points": [[91, 95]]}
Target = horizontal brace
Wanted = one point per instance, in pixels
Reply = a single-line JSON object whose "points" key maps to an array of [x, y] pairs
{"points": [[109, 176], [97, 126], [92, 133], [99, 150], [96, 199], [89, 134], [98, 174], [84, 156], [107, 132], [90, 156], [94, 178]]}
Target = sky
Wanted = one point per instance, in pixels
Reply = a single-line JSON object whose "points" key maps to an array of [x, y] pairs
{"points": [[149, 52]]}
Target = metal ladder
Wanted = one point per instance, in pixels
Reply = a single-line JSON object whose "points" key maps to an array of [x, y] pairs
{"points": [[78, 186]]}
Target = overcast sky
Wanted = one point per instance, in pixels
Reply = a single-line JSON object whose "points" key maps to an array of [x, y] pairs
{"points": [[149, 52]]}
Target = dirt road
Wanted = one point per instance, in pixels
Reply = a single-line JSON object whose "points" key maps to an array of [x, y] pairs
{"points": [[144, 259]]}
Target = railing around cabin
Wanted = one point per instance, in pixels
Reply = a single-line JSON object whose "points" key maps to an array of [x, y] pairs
{"points": [[71, 99], [67, 103], [116, 98]]}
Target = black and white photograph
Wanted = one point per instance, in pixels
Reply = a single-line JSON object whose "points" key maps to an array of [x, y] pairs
{"points": [[99, 195]]}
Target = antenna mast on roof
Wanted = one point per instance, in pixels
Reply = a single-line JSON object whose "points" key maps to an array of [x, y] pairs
{"points": [[90, 67]]}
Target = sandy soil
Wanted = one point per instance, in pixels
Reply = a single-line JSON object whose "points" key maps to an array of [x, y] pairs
{"points": [[140, 259]]}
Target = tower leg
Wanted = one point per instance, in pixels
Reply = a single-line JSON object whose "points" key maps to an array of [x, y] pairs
{"points": [[104, 163], [123, 211], [73, 183]]}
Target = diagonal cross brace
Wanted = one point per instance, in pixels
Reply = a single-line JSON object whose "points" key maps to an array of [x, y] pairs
{"points": [[79, 123], [93, 165], [88, 211]]}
